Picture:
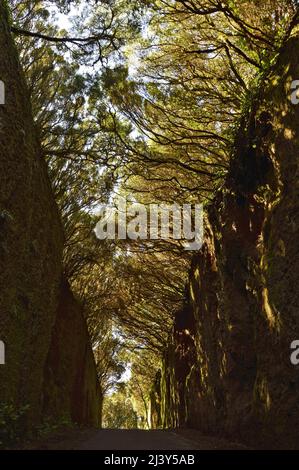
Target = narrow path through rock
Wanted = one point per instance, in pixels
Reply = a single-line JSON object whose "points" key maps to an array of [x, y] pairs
{"points": [[132, 439]]}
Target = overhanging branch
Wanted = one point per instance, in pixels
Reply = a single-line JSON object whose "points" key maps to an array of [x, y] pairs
{"points": [[66, 39]]}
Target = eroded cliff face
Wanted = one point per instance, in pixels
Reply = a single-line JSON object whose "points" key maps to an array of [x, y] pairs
{"points": [[34, 309], [70, 372], [228, 366]]}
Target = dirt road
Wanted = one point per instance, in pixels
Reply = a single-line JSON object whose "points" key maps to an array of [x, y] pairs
{"points": [[118, 439], [133, 439]]}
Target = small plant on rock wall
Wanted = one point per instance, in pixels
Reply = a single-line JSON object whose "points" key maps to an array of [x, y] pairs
{"points": [[12, 421], [50, 426]]}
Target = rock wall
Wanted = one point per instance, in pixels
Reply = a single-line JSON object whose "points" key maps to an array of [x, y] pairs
{"points": [[228, 369], [70, 373], [32, 304]]}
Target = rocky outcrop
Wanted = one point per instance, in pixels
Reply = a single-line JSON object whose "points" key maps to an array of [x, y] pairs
{"points": [[70, 376], [34, 311], [228, 366]]}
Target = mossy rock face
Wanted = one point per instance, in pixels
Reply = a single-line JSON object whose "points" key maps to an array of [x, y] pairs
{"points": [[31, 244], [243, 296], [31, 241]]}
